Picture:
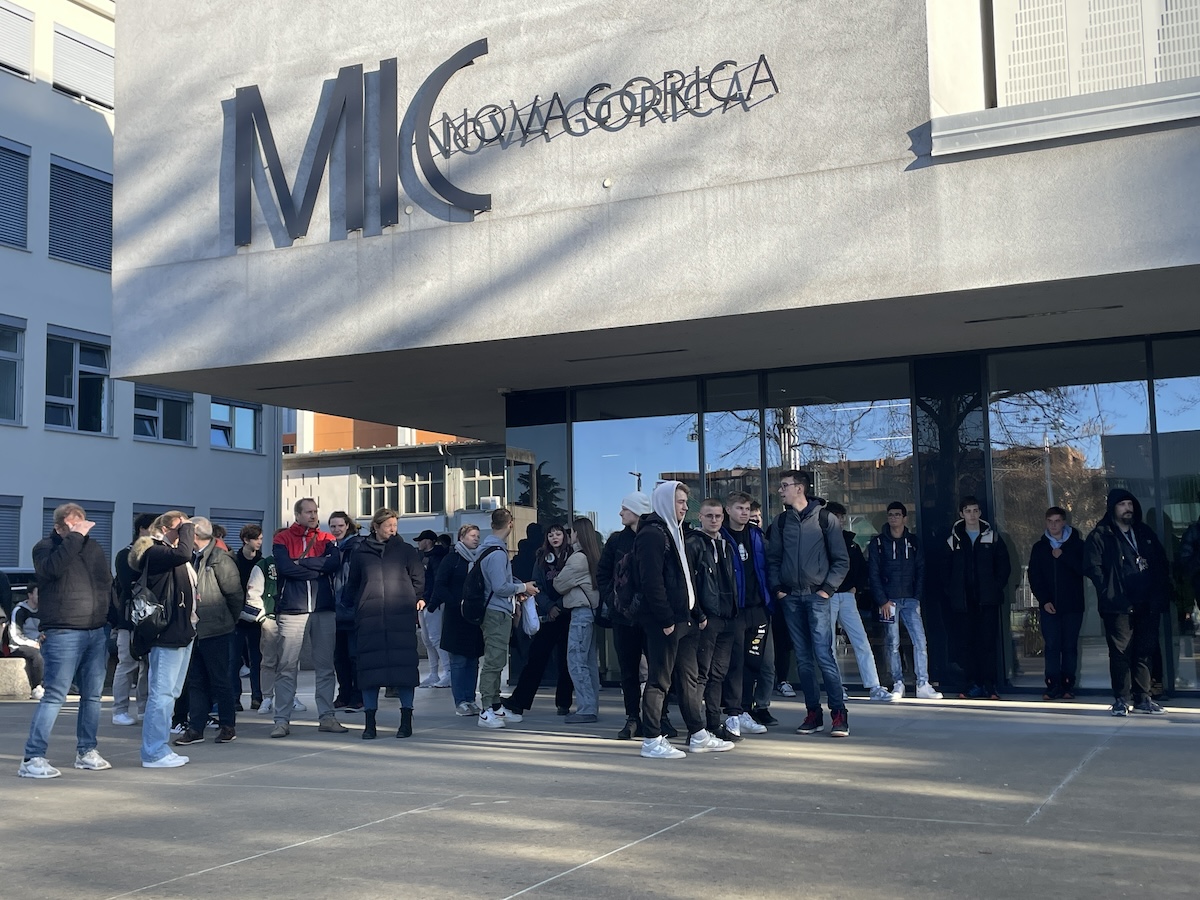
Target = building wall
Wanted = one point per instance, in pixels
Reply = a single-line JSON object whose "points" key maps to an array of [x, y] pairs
{"points": [[38, 462]]}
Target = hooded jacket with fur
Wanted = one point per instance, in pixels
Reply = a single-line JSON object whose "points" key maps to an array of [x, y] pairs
{"points": [[170, 579]]}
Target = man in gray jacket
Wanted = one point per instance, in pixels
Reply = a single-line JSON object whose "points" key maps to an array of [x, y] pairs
{"points": [[806, 562], [502, 588]]}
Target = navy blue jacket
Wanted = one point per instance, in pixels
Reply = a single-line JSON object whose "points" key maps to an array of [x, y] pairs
{"points": [[758, 550], [896, 566]]}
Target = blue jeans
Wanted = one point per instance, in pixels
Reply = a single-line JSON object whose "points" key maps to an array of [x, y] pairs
{"points": [[464, 674], [843, 608], [166, 675], [908, 611], [371, 697], [583, 660], [70, 655], [807, 617]]}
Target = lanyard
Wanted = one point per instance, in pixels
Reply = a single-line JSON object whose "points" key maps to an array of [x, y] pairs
{"points": [[1128, 535]]}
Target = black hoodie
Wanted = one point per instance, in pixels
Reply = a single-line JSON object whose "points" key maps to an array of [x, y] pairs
{"points": [[1112, 562]]}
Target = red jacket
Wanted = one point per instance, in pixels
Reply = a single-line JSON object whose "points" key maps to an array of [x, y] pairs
{"points": [[305, 561]]}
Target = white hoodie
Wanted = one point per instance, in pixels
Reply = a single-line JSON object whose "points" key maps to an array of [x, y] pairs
{"points": [[663, 501]]}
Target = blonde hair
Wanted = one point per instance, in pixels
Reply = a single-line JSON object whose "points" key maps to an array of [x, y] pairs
{"points": [[166, 521], [381, 516]]}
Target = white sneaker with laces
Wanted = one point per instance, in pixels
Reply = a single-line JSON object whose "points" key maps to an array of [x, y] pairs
{"points": [[244, 672], [733, 724], [508, 715], [926, 692], [37, 693], [882, 694], [298, 706], [443, 682], [37, 767], [785, 689], [430, 680], [660, 748], [178, 729], [898, 690], [92, 760], [266, 707], [703, 742], [747, 725], [489, 719], [170, 761], [123, 718]]}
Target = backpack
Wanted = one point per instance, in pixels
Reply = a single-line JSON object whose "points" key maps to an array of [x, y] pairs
{"points": [[627, 600], [475, 591], [150, 616]]}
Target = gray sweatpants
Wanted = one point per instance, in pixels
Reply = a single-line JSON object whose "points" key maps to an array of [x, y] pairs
{"points": [[321, 628]]}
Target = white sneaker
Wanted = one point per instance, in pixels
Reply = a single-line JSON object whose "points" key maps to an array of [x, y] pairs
{"points": [[38, 767], [733, 724], [660, 748], [244, 672], [489, 719], [898, 690], [443, 682], [266, 707], [747, 725], [123, 718], [298, 706], [170, 761], [703, 742], [430, 681], [926, 692], [785, 689], [37, 693], [508, 715], [92, 760], [845, 695], [466, 708], [178, 729], [882, 694]]}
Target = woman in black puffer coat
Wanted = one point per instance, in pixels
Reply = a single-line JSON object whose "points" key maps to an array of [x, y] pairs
{"points": [[386, 580], [462, 640]]}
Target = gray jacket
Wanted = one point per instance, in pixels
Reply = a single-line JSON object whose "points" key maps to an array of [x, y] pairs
{"points": [[803, 560], [575, 583], [498, 576]]}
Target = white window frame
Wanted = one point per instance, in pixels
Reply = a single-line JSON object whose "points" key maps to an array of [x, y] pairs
{"points": [[78, 340], [471, 476], [412, 480], [160, 396], [389, 485], [17, 326], [229, 425]]}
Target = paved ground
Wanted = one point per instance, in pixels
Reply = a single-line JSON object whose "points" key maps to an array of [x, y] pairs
{"points": [[924, 800]]}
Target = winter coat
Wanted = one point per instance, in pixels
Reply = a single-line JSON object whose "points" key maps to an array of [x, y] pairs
{"points": [[1058, 581], [976, 572], [458, 635], [219, 588], [74, 582], [386, 579], [758, 550], [545, 570], [896, 567], [169, 577], [805, 556], [618, 544], [306, 560], [661, 579], [343, 602], [711, 561], [1104, 564], [856, 578], [574, 582], [432, 562]]}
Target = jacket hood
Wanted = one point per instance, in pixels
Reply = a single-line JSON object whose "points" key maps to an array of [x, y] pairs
{"points": [[1117, 495], [960, 527], [663, 501], [138, 549]]}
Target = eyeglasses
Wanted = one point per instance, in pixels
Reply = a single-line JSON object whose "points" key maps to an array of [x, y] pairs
{"points": [[895, 515], [784, 485], [712, 515]]}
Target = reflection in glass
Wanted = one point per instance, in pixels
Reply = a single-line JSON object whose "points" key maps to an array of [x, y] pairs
{"points": [[733, 433], [1067, 425], [538, 474]]}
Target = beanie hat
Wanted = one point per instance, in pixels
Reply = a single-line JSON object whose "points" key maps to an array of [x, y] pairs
{"points": [[637, 503]]}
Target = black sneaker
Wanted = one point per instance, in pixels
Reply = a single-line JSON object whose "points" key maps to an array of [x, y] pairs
{"points": [[812, 723], [562, 710], [226, 735], [1149, 707], [726, 735], [189, 737], [626, 733], [763, 717], [841, 724], [1119, 708]]}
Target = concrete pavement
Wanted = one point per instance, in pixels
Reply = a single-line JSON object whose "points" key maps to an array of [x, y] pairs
{"points": [[925, 799]]}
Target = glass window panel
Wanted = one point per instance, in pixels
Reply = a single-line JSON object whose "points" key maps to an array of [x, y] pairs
{"points": [[538, 485], [245, 431], [364, 500], [437, 497], [59, 415], [731, 392], [470, 495], [144, 426], [93, 356], [733, 453], [8, 389], [219, 436], [220, 413], [393, 497], [1067, 425], [8, 340], [175, 420], [60, 369], [141, 401], [93, 402], [1177, 409]]}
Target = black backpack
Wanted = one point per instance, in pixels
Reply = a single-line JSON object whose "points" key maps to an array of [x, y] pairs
{"points": [[627, 600], [475, 591]]}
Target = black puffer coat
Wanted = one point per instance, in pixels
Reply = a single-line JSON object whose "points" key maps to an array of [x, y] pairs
{"points": [[459, 636], [167, 576], [74, 582], [385, 581]]}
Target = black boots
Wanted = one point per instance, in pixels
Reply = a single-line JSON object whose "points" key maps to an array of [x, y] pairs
{"points": [[369, 730], [405, 729], [633, 728]]}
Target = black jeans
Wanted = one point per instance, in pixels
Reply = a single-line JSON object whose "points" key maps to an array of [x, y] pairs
{"points": [[208, 681], [1060, 631], [981, 645], [35, 668], [551, 639], [246, 637], [344, 666], [717, 642], [1132, 640], [783, 644], [630, 641]]}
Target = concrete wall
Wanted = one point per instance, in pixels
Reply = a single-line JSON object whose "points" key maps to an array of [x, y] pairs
{"points": [[819, 196]]}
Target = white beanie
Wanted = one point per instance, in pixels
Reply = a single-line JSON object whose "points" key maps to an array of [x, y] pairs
{"points": [[637, 503]]}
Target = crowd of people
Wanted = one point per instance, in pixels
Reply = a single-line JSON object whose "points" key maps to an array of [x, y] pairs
{"points": [[693, 608]]}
